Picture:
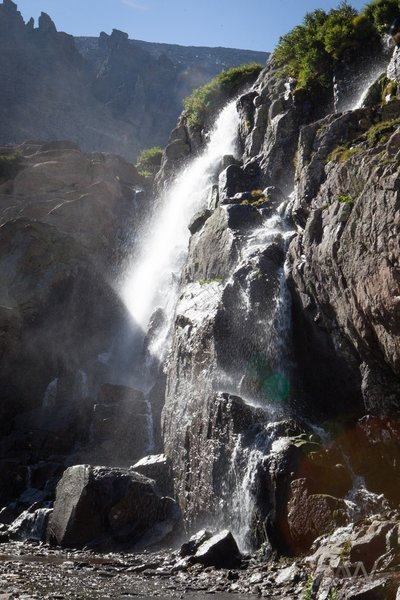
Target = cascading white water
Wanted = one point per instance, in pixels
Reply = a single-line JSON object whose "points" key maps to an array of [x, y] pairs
{"points": [[50, 394], [150, 284], [368, 81], [273, 331], [153, 281]]}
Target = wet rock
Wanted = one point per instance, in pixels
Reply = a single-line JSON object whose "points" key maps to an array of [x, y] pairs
{"points": [[99, 505], [198, 220], [220, 551], [212, 252], [243, 217], [30, 525]]}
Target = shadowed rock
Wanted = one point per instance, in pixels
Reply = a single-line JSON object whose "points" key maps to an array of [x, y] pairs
{"points": [[108, 507]]}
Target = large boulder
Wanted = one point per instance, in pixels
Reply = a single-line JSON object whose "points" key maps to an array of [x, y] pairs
{"points": [[157, 467], [220, 550], [312, 515], [108, 507]]}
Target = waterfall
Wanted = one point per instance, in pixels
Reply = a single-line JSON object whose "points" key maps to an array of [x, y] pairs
{"points": [[152, 283], [272, 330], [151, 286], [50, 395], [368, 80]]}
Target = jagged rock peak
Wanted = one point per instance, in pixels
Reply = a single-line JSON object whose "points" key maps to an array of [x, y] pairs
{"points": [[10, 16], [46, 24], [116, 40], [9, 5]]}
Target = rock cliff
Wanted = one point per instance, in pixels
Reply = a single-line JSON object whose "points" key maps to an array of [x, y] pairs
{"points": [[65, 218], [282, 390], [286, 330], [106, 94]]}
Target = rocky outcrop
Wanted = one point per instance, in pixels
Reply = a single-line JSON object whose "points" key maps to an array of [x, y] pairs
{"points": [[108, 507], [106, 94], [220, 344], [344, 265], [65, 334], [328, 352]]}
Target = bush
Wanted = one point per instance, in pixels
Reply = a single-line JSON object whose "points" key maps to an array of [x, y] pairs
{"points": [[380, 133], [10, 164], [341, 153], [310, 52], [149, 161], [204, 101], [344, 199], [382, 13]]}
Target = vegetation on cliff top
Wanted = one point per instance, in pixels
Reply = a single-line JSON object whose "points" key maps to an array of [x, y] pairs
{"points": [[204, 101], [310, 52], [10, 164], [149, 161]]}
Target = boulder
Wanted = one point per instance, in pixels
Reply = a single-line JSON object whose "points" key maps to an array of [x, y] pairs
{"points": [[108, 507], [198, 220], [157, 467], [312, 515], [190, 548], [369, 545], [219, 551]]}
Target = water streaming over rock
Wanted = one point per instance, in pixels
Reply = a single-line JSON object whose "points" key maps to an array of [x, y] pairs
{"points": [[50, 394], [273, 333], [150, 288], [152, 282], [368, 80]]}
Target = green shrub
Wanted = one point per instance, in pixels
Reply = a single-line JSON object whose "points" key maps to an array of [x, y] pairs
{"points": [[389, 88], [208, 281], [310, 52], [10, 164], [149, 161], [382, 13], [380, 133], [308, 589], [345, 199], [341, 153], [204, 101]]}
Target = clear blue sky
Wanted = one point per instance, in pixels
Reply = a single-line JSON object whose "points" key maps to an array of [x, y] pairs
{"points": [[250, 24]]}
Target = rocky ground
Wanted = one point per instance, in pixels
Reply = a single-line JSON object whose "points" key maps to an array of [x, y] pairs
{"points": [[36, 571]]}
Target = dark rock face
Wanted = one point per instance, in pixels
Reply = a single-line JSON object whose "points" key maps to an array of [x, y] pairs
{"points": [[344, 265], [63, 218], [342, 343], [98, 505], [107, 94]]}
